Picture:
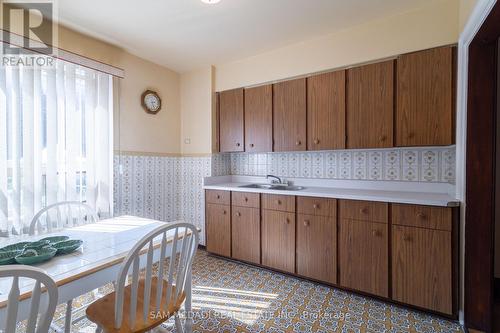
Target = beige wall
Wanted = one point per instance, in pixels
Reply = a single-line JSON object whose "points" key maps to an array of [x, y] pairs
{"points": [[196, 115], [137, 130], [430, 26], [465, 9]]}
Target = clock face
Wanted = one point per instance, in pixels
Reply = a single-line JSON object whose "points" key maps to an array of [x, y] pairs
{"points": [[151, 101]]}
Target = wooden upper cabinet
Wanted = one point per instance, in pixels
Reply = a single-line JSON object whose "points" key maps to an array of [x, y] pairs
{"points": [[231, 120], [370, 105], [425, 99], [289, 111], [326, 111], [259, 119]]}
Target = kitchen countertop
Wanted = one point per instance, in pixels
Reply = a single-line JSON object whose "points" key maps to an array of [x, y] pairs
{"points": [[435, 194]]}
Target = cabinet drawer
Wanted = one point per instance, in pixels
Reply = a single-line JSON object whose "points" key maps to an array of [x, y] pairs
{"points": [[364, 210], [317, 206], [218, 197], [244, 199], [284, 203], [437, 218]]}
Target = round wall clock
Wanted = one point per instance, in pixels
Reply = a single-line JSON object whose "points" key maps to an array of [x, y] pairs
{"points": [[151, 102]]}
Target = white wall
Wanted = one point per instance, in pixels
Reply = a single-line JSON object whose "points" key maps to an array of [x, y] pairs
{"points": [[434, 25]]}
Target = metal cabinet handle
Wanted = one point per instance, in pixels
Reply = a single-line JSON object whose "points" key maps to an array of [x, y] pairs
{"points": [[246, 199], [278, 202], [364, 210], [224, 212], [316, 141], [421, 215], [307, 223], [315, 206], [238, 144], [251, 145], [298, 143], [238, 214], [287, 220]]}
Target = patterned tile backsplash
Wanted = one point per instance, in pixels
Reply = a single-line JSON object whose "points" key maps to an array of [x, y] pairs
{"points": [[165, 188], [436, 164], [170, 188]]}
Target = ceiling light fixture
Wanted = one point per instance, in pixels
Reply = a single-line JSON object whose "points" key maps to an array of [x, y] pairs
{"points": [[210, 2]]}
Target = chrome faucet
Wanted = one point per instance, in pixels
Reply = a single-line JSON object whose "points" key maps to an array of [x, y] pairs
{"points": [[276, 180]]}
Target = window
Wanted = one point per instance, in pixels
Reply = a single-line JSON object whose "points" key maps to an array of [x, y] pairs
{"points": [[55, 141]]}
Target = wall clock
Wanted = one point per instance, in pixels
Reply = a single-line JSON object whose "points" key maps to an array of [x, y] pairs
{"points": [[151, 102]]}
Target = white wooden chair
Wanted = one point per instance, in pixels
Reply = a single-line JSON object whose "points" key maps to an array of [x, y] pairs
{"points": [[34, 323], [65, 214], [55, 217], [130, 307]]}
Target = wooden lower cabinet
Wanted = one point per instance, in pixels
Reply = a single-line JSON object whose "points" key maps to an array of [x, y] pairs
{"points": [[317, 247], [364, 256], [422, 268], [245, 231], [218, 229], [278, 240]]}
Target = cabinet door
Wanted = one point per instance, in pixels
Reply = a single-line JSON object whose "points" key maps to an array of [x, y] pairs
{"points": [[245, 231], [259, 119], [421, 268], [363, 256], [278, 240], [231, 120], [289, 110], [317, 247], [370, 105], [425, 100], [218, 226], [326, 111]]}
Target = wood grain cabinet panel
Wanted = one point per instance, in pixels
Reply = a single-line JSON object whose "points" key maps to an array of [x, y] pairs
{"points": [[231, 120], [422, 268], [317, 206], [289, 115], [218, 229], [218, 197], [430, 217], [278, 240], [326, 111], [285, 203], [317, 247], [364, 210], [245, 231], [364, 256], [425, 98], [245, 199], [370, 106], [259, 119]]}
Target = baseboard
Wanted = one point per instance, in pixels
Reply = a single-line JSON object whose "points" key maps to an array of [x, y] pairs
{"points": [[496, 288], [202, 247]]}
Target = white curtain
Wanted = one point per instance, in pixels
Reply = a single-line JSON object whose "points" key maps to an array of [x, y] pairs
{"points": [[56, 131]]}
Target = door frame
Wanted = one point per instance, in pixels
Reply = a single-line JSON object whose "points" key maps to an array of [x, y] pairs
{"points": [[476, 160]]}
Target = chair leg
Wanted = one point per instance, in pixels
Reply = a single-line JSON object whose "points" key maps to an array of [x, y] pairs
{"points": [[178, 324], [67, 319], [98, 330]]}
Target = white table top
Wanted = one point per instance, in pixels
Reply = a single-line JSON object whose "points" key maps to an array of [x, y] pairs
{"points": [[105, 243]]}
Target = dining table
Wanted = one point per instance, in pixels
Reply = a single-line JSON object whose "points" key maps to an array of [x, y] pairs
{"points": [[96, 263]]}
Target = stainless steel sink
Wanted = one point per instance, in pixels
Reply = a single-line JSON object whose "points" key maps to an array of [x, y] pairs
{"points": [[276, 187]]}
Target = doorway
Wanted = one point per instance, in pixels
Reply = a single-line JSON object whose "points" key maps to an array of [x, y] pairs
{"points": [[481, 175]]}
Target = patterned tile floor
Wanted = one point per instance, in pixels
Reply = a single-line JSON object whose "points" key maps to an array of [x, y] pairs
{"points": [[233, 297]]}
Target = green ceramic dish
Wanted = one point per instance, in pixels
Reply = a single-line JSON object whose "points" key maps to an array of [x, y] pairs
{"points": [[14, 247], [55, 239], [37, 245], [35, 256], [8, 257], [68, 246]]}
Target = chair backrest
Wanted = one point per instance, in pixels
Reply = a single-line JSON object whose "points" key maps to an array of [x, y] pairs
{"points": [[49, 287], [62, 215], [172, 238]]}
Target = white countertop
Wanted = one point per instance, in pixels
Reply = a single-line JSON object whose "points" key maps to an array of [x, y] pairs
{"points": [[432, 194]]}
